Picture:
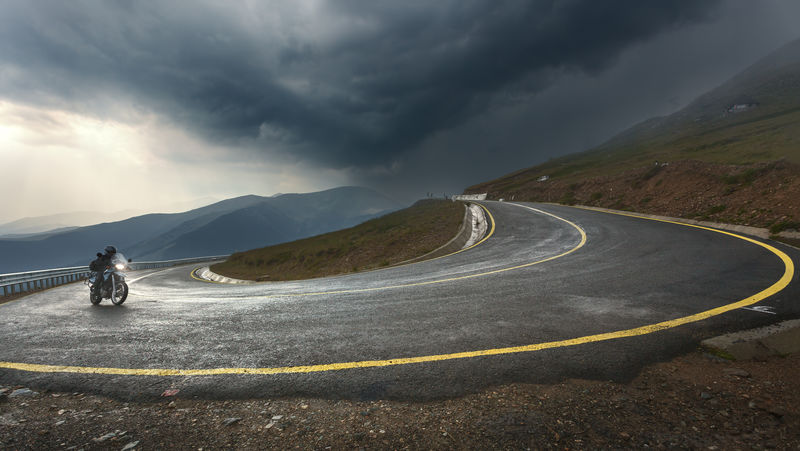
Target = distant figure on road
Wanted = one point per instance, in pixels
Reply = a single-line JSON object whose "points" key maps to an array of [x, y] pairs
{"points": [[99, 265]]}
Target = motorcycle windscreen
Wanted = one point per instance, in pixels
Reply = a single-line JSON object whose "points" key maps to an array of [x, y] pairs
{"points": [[119, 259]]}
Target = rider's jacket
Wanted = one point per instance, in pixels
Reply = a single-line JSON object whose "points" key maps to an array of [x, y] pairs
{"points": [[100, 263]]}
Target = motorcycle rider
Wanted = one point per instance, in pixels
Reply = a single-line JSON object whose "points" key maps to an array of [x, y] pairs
{"points": [[99, 265]]}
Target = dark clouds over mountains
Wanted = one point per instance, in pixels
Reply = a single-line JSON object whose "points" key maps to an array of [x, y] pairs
{"points": [[344, 84]]}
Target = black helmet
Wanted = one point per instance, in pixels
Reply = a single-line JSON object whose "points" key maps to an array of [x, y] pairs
{"points": [[111, 250]]}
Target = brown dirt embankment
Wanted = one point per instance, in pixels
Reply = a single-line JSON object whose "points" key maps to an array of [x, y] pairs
{"points": [[759, 195]]}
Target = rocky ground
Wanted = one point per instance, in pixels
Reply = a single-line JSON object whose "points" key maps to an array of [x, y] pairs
{"points": [[695, 401]]}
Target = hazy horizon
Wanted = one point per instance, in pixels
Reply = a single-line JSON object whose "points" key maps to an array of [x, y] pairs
{"points": [[175, 207]]}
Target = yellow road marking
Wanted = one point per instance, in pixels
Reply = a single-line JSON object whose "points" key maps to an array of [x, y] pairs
{"points": [[784, 281], [453, 279]]}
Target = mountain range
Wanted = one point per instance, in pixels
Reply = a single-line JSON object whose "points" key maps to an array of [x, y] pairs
{"points": [[224, 227], [61, 222]]}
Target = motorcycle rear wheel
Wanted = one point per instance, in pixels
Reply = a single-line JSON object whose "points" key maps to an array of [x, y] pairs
{"points": [[94, 298], [120, 294]]}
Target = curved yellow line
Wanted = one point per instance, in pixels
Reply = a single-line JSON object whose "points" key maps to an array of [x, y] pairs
{"points": [[452, 279], [784, 281]]}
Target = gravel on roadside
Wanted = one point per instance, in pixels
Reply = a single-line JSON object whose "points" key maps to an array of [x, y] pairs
{"points": [[693, 401]]}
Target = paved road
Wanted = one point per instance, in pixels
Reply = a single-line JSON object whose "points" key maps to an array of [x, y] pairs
{"points": [[547, 275]]}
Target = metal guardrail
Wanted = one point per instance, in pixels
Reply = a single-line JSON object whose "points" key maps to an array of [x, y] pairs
{"points": [[135, 266], [470, 196], [27, 281], [19, 282]]}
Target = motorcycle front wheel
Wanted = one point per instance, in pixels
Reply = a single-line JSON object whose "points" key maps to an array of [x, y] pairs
{"points": [[120, 294]]}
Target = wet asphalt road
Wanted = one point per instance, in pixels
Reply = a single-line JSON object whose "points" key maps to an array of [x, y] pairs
{"points": [[629, 273]]}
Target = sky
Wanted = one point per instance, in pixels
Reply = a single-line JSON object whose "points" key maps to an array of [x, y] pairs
{"points": [[115, 105]]}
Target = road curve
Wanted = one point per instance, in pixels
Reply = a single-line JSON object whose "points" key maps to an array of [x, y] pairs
{"points": [[555, 292]]}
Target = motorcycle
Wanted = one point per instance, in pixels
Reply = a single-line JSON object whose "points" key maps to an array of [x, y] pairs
{"points": [[112, 280]]}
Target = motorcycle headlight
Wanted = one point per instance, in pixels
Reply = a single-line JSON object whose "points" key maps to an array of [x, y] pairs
{"points": [[120, 266]]}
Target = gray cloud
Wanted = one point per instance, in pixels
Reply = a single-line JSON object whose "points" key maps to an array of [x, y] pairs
{"points": [[390, 75], [360, 85]]}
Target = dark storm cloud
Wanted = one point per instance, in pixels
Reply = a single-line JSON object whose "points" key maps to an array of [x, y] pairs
{"points": [[580, 109], [353, 84]]}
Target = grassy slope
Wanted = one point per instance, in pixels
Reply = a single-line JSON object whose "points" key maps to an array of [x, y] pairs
{"points": [[721, 145], [751, 137], [380, 242]]}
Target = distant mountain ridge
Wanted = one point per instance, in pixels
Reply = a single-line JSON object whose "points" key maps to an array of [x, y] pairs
{"points": [[62, 221], [40, 224], [282, 218], [224, 227]]}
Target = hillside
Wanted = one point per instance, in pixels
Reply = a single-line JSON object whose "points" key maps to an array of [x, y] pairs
{"points": [[380, 242], [742, 137], [267, 221], [240, 223]]}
